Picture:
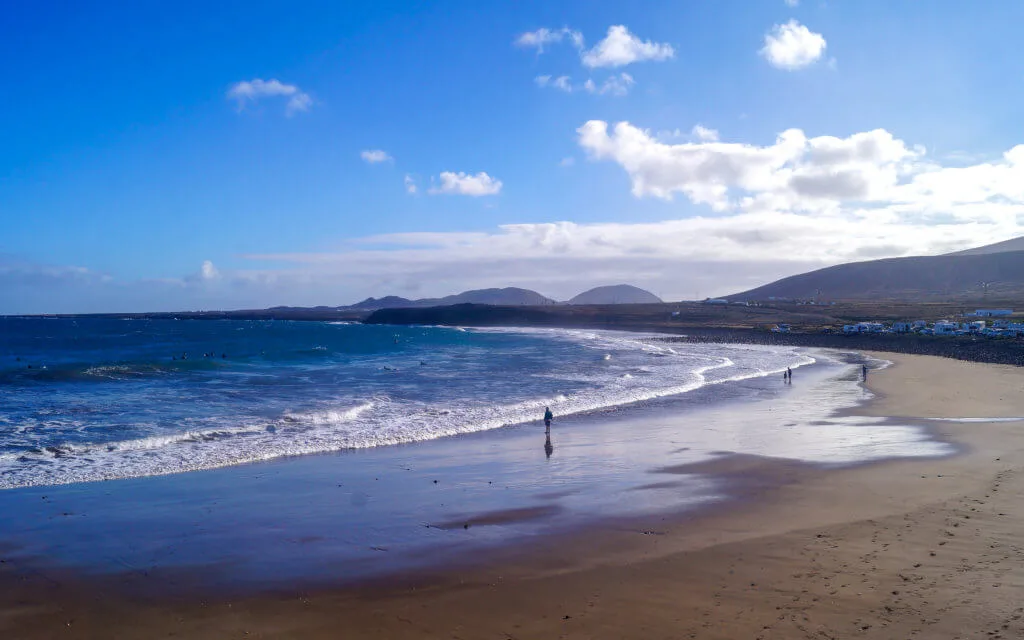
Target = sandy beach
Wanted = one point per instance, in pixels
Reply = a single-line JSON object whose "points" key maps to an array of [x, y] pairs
{"points": [[911, 548]]}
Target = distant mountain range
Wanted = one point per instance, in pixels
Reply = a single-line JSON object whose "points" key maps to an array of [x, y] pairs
{"points": [[510, 297], [995, 270]]}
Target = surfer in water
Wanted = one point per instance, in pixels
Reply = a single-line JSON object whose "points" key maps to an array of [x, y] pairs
{"points": [[548, 416]]}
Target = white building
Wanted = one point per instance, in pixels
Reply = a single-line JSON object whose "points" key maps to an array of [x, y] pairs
{"points": [[991, 313], [864, 327], [945, 328]]}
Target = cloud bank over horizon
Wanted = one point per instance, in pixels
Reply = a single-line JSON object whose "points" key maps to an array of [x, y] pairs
{"points": [[770, 211]]}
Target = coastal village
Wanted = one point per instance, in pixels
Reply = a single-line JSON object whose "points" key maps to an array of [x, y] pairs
{"points": [[966, 326], [978, 323], [988, 323]]}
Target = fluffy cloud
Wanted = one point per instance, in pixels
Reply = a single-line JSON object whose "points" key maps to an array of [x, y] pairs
{"points": [[542, 37], [704, 134], [246, 92], [410, 184], [208, 271], [375, 156], [792, 173], [465, 184], [620, 47], [792, 46]]}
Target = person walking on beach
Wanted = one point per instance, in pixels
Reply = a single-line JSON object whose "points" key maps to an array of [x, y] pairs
{"points": [[789, 374], [864, 370], [548, 416]]}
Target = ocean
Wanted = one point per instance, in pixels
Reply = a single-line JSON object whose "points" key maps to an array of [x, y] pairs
{"points": [[238, 454], [98, 399]]}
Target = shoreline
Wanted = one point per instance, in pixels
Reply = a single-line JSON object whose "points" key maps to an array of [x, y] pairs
{"points": [[596, 478], [662, 575]]}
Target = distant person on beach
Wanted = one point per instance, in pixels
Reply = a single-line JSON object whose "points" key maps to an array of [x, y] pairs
{"points": [[864, 370], [789, 374], [548, 416]]}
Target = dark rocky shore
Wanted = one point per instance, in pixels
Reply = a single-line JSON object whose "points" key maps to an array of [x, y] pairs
{"points": [[995, 351], [691, 327]]}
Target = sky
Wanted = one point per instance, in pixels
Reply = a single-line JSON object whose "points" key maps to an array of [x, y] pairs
{"points": [[179, 156]]}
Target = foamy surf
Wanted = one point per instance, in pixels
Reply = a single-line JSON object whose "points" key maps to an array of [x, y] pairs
{"points": [[432, 383]]}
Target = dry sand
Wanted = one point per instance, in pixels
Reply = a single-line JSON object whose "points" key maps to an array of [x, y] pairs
{"points": [[927, 549]]}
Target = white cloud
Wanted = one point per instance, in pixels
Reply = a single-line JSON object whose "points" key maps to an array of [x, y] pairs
{"points": [[410, 185], [208, 271], [562, 83], [375, 156], [542, 37], [246, 92], [620, 47], [615, 85], [704, 134], [793, 173], [715, 255], [792, 46], [465, 184]]}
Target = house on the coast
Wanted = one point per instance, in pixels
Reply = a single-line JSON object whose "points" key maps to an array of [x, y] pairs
{"points": [[991, 313], [902, 327], [864, 327], [945, 328]]}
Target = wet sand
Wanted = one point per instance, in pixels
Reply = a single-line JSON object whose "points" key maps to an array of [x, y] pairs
{"points": [[921, 548]]}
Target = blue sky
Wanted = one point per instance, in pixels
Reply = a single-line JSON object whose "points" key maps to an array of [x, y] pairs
{"points": [[186, 155]]}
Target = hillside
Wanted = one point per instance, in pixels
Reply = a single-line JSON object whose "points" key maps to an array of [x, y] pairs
{"points": [[387, 302], [509, 296], [1016, 244], [995, 275], [616, 294]]}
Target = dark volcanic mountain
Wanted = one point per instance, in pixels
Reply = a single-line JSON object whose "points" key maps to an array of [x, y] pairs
{"points": [[1016, 244], [387, 302], [982, 272], [509, 297], [616, 294]]}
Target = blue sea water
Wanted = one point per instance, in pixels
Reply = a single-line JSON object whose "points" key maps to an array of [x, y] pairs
{"points": [[91, 399]]}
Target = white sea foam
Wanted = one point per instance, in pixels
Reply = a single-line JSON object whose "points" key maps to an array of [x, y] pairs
{"points": [[978, 420], [342, 423]]}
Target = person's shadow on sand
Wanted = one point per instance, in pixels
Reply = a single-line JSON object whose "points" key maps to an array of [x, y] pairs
{"points": [[548, 447]]}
